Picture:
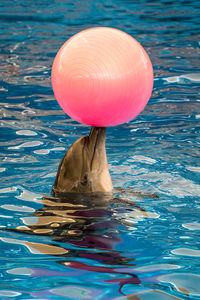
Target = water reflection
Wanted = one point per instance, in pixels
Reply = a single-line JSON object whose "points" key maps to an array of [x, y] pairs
{"points": [[85, 227]]}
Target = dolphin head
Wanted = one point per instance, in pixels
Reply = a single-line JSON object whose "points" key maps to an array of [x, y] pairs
{"points": [[84, 167]]}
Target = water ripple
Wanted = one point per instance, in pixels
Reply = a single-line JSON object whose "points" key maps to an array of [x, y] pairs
{"points": [[145, 242]]}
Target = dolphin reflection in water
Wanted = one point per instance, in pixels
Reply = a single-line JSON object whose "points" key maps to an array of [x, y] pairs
{"points": [[84, 230], [84, 213]]}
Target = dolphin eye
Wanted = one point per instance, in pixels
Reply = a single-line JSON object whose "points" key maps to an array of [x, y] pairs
{"points": [[85, 179]]}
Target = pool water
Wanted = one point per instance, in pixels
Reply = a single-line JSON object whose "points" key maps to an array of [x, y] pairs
{"points": [[137, 246]]}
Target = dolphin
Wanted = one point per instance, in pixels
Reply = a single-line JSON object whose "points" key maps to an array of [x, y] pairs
{"points": [[84, 167]]}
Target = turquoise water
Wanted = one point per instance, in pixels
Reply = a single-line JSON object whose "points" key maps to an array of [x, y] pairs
{"points": [[136, 246]]}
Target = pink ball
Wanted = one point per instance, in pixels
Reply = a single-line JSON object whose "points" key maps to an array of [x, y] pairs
{"points": [[102, 77]]}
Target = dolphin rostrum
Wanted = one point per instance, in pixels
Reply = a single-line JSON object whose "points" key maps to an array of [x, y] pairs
{"points": [[84, 167]]}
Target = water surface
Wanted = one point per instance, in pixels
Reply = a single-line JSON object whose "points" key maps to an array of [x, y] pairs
{"points": [[135, 247]]}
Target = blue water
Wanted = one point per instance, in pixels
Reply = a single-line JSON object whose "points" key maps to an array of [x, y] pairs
{"points": [[90, 248]]}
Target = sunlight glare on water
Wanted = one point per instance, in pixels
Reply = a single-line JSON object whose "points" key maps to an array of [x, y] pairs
{"points": [[138, 246]]}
